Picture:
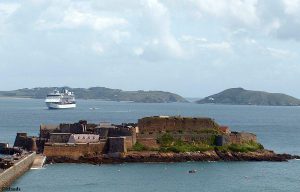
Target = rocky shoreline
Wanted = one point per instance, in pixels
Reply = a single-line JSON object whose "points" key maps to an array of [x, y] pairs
{"points": [[152, 156]]}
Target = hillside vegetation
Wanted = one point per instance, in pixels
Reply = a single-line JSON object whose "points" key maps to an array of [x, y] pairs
{"points": [[100, 93], [240, 96]]}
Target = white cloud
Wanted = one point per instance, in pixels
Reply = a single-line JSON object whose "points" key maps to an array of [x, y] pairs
{"points": [[205, 45], [222, 46], [192, 39], [273, 26], [159, 20], [7, 9], [74, 18], [250, 41], [232, 39], [276, 19], [97, 48], [243, 11], [279, 53], [138, 51], [118, 35], [291, 7]]}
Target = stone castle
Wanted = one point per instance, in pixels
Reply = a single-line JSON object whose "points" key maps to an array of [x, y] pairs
{"points": [[86, 139]]}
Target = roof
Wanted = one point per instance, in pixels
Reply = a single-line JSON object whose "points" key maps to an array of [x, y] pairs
{"points": [[83, 138]]}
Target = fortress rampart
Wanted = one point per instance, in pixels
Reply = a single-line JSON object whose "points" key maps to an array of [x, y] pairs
{"points": [[74, 151], [158, 124]]}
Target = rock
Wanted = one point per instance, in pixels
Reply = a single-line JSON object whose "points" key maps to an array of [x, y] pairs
{"points": [[152, 156]]}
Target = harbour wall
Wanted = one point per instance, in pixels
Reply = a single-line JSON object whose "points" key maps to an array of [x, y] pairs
{"points": [[8, 176]]}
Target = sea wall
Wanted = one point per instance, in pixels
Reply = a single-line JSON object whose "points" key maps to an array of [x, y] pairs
{"points": [[8, 176], [74, 151]]}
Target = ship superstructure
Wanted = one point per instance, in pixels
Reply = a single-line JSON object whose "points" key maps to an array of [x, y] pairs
{"points": [[60, 100]]}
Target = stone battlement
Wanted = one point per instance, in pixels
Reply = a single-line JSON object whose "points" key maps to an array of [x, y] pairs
{"points": [[175, 123]]}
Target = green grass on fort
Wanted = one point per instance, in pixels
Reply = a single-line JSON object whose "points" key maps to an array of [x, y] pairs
{"points": [[244, 147], [170, 144], [139, 147]]}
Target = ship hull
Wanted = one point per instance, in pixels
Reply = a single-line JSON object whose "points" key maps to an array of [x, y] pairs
{"points": [[60, 106]]}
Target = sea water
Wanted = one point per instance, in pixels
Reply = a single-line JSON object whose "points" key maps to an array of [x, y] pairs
{"points": [[277, 128]]}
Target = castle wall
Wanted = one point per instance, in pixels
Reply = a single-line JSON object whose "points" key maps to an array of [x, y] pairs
{"points": [[129, 141], [76, 128], [8, 176], [45, 130], [166, 124], [242, 137], [235, 138], [188, 136], [25, 142], [117, 145], [150, 143], [59, 137], [74, 151]]}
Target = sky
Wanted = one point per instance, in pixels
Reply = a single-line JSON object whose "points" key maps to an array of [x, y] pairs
{"points": [[191, 47]]}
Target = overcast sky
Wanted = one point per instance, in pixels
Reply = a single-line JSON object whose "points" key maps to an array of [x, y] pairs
{"points": [[190, 47]]}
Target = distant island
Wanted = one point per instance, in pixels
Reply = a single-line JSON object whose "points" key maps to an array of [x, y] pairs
{"points": [[240, 96], [99, 93]]}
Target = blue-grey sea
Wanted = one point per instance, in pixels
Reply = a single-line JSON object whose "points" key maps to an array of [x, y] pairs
{"points": [[277, 128]]}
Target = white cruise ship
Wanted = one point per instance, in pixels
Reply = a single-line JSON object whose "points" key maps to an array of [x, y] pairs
{"points": [[60, 100]]}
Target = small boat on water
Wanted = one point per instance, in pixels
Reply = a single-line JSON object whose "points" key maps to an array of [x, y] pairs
{"points": [[193, 171]]}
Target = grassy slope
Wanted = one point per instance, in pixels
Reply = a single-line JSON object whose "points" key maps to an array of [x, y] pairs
{"points": [[100, 93], [241, 96]]}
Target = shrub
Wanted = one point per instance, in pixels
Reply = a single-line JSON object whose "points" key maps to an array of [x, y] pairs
{"points": [[222, 148], [245, 147], [166, 140], [138, 147], [169, 144], [186, 147]]}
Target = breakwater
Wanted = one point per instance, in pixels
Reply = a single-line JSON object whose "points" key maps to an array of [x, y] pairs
{"points": [[8, 176]]}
